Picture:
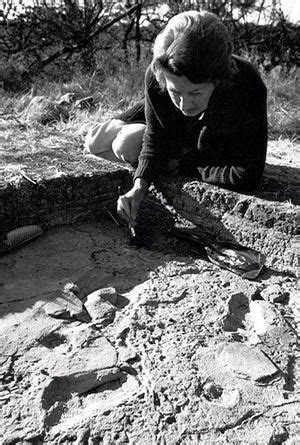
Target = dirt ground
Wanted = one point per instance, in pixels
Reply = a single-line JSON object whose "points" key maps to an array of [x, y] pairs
{"points": [[178, 351], [186, 353]]}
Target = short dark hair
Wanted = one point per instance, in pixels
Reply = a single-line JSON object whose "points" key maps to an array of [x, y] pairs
{"points": [[193, 44]]}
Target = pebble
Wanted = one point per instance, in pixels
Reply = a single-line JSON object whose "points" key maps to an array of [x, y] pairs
{"points": [[262, 316], [126, 355], [231, 398], [65, 306], [107, 293], [275, 294], [166, 408], [212, 391], [246, 361], [100, 310]]}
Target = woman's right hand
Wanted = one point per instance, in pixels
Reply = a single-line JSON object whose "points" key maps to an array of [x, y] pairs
{"points": [[128, 204]]}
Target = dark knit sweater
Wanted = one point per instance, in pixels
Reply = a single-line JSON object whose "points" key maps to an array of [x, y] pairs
{"points": [[226, 147]]}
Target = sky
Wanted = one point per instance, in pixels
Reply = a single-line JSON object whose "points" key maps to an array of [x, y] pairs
{"points": [[291, 8]]}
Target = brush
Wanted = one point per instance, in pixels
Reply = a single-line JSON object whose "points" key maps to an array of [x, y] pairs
{"points": [[130, 226]]}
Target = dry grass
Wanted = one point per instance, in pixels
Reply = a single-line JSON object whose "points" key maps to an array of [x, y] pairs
{"points": [[123, 86], [27, 146], [25, 142], [284, 104]]}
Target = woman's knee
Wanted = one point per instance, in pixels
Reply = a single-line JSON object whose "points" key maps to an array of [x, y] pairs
{"points": [[128, 142], [100, 137]]}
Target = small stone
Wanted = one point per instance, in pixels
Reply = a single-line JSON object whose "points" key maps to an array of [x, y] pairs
{"points": [[261, 316], [126, 355], [230, 398], [212, 391], [225, 283], [246, 361], [157, 333], [70, 289], [108, 294], [65, 305], [166, 408], [275, 294], [100, 310]]}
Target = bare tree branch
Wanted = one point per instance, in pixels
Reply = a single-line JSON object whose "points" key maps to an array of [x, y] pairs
{"points": [[78, 47]]}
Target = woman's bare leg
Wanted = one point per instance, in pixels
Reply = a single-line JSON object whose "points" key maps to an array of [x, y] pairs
{"points": [[116, 141]]}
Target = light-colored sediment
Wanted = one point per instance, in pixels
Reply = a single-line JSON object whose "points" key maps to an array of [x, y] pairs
{"points": [[185, 359], [178, 351]]}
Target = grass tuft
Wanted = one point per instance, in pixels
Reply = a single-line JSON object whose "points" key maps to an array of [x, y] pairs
{"points": [[283, 103], [118, 87]]}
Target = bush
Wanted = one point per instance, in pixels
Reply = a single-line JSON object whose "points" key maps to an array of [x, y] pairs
{"points": [[59, 40], [269, 45], [39, 36]]}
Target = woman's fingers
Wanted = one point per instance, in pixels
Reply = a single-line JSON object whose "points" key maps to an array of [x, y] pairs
{"points": [[123, 215], [128, 205], [123, 208]]}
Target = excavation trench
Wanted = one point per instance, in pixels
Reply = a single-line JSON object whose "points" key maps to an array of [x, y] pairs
{"points": [[146, 368]]}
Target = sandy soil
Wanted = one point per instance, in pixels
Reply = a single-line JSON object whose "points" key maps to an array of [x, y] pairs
{"points": [[181, 352], [184, 353]]}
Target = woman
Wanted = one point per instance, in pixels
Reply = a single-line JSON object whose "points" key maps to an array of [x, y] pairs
{"points": [[204, 114]]}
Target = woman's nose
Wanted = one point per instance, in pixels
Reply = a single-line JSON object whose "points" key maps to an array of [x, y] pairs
{"points": [[185, 103]]}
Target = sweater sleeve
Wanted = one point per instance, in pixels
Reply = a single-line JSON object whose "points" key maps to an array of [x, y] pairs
{"points": [[154, 136], [244, 170], [235, 157]]}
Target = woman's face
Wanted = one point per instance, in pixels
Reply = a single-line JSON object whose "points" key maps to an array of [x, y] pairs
{"points": [[191, 98]]}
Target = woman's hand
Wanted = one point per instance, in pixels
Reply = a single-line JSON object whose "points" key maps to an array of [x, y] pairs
{"points": [[128, 204]]}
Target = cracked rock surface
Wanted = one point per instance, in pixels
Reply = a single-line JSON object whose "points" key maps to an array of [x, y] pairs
{"points": [[171, 349]]}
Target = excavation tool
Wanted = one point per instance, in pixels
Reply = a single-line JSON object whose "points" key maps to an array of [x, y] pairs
{"points": [[132, 233], [246, 262], [17, 237]]}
